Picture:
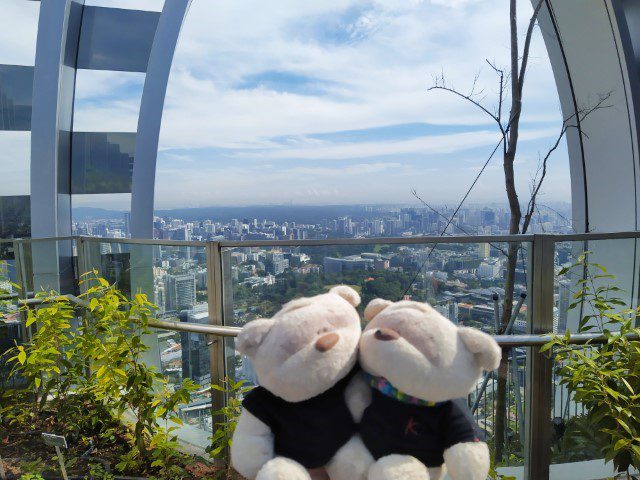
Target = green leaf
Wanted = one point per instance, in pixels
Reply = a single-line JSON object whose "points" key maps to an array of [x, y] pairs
{"points": [[22, 356]]}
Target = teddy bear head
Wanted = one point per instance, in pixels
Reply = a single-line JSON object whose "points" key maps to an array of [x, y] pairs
{"points": [[422, 353], [308, 346]]}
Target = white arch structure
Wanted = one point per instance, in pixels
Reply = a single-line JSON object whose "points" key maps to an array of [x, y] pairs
{"points": [[594, 49]]}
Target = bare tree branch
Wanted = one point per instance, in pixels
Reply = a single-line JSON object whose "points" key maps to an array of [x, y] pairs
{"points": [[440, 84], [527, 44], [579, 116], [441, 215]]}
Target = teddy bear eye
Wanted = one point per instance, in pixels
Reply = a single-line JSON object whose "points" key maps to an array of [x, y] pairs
{"points": [[323, 330]]}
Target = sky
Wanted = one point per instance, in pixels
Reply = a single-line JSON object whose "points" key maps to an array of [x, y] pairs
{"points": [[288, 101]]}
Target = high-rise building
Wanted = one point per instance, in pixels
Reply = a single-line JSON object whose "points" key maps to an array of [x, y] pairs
{"points": [[275, 263], [195, 348], [127, 224], [564, 300], [181, 291], [484, 250]]}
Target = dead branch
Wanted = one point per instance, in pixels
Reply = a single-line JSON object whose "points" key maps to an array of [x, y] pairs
{"points": [[574, 121]]}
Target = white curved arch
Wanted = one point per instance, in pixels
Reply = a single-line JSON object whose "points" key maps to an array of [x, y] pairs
{"points": [[150, 119]]}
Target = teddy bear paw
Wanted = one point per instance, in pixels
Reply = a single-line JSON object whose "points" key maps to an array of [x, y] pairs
{"points": [[398, 467], [281, 468]]}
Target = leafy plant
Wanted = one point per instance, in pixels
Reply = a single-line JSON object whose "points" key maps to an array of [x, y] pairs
{"points": [[31, 476], [52, 363], [122, 379], [228, 415], [40, 360], [94, 373], [98, 472], [604, 379], [32, 467]]}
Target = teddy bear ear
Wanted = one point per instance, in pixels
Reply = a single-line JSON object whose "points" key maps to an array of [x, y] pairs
{"points": [[252, 335], [375, 307], [483, 346], [348, 293]]}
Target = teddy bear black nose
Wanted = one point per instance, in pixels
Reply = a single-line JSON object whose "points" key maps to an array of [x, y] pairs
{"points": [[327, 342], [386, 334]]}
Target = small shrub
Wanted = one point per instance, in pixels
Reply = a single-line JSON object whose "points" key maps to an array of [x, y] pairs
{"points": [[228, 415], [604, 379], [95, 374]]}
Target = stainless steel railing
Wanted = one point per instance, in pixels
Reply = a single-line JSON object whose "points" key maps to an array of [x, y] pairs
{"points": [[540, 292]]}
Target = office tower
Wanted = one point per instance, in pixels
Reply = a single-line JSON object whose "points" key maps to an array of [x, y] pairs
{"points": [[181, 291]]}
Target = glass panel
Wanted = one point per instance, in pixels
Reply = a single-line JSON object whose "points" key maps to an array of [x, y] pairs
{"points": [[575, 455], [619, 257], [15, 217], [459, 280], [18, 32], [116, 39], [151, 5], [10, 318], [102, 162], [186, 355], [107, 101], [15, 162], [173, 277], [16, 91]]}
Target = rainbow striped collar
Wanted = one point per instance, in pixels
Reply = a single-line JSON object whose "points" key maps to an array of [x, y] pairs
{"points": [[384, 386]]}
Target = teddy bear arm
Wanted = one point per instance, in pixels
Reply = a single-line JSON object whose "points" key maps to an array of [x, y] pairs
{"points": [[358, 397], [468, 461], [252, 445]]}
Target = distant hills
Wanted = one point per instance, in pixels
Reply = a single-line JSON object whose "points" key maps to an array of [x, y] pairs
{"points": [[91, 213], [278, 213]]}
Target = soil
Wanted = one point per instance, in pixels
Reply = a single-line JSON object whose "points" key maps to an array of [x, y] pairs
{"points": [[23, 451]]}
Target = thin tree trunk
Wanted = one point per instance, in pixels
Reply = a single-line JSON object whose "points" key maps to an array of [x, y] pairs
{"points": [[514, 229]]}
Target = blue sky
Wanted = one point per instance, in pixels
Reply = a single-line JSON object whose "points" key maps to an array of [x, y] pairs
{"points": [[326, 102]]}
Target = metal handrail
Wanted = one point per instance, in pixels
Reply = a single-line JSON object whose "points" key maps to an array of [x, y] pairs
{"points": [[429, 239], [196, 328], [505, 341]]}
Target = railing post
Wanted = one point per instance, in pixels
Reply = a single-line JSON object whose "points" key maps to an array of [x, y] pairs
{"points": [[216, 317], [81, 255], [539, 388], [21, 274]]}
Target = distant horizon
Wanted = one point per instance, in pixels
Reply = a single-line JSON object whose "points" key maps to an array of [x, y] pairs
{"points": [[327, 205]]}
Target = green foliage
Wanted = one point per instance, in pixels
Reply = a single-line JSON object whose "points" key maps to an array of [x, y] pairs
{"points": [[122, 378], [604, 379], [49, 362], [95, 373], [579, 442], [32, 468], [494, 475], [228, 416], [31, 476], [98, 472]]}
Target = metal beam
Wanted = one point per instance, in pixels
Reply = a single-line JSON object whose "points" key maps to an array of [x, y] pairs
{"points": [[52, 117], [150, 118], [539, 388]]}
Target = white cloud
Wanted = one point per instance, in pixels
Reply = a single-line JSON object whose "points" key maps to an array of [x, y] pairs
{"points": [[18, 32], [374, 60], [15, 162], [425, 145]]}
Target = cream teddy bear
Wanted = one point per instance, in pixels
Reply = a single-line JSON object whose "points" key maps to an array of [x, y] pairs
{"points": [[417, 363], [293, 424]]}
